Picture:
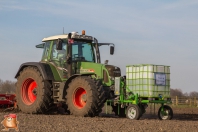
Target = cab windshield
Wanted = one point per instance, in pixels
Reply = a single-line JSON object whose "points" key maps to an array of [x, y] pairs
{"points": [[82, 51]]}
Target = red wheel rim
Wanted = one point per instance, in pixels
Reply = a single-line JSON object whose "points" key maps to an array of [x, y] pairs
{"points": [[80, 98], [29, 88]]}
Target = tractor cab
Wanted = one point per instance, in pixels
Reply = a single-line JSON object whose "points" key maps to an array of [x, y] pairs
{"points": [[56, 46], [68, 52]]}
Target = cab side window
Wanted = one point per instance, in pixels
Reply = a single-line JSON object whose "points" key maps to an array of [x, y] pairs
{"points": [[46, 51], [58, 56], [54, 52]]}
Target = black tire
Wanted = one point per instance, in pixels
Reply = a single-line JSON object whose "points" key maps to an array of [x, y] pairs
{"points": [[133, 112], [32, 92], [142, 109], [168, 113], [66, 108], [85, 97], [121, 112]]}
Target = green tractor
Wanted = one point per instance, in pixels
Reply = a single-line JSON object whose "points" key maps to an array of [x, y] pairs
{"points": [[71, 72]]}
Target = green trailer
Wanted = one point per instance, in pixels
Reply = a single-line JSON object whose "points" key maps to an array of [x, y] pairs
{"points": [[143, 84]]}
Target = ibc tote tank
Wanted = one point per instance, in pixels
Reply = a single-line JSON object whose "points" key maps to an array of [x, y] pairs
{"points": [[148, 80]]}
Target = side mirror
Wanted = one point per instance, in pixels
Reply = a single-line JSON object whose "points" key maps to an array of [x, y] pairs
{"points": [[111, 50], [40, 45], [59, 44]]}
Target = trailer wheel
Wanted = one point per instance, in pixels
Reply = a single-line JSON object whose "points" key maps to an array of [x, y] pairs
{"points": [[32, 92], [133, 112], [85, 97], [166, 114]]}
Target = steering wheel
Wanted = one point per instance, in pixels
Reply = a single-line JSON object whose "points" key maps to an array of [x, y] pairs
{"points": [[77, 57], [74, 56]]}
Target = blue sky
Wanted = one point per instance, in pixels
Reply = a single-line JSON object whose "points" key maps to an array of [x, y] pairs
{"points": [[148, 32]]}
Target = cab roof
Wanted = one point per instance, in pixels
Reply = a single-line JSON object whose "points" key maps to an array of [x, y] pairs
{"points": [[63, 36], [74, 35]]}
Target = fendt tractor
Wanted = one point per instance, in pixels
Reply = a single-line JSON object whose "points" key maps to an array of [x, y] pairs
{"points": [[71, 72]]}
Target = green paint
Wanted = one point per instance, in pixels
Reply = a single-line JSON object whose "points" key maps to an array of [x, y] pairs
{"points": [[83, 67]]}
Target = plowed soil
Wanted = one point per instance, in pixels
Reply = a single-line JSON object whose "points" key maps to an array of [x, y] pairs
{"points": [[185, 119]]}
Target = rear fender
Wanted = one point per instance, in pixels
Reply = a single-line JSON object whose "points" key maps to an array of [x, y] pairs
{"points": [[43, 68]]}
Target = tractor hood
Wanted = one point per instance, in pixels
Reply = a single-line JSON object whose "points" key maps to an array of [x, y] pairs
{"points": [[113, 71]]}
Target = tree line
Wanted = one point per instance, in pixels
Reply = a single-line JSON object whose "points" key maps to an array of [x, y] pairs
{"points": [[9, 87], [179, 93]]}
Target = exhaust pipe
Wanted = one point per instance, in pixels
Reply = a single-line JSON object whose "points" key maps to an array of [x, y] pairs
{"points": [[69, 55]]}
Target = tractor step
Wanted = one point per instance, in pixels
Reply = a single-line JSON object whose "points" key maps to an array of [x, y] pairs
{"points": [[58, 88]]}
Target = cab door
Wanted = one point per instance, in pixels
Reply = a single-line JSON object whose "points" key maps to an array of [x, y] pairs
{"points": [[58, 59]]}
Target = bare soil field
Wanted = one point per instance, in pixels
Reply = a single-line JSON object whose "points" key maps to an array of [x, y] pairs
{"points": [[185, 119]]}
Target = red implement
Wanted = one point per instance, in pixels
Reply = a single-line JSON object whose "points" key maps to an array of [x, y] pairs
{"points": [[7, 100]]}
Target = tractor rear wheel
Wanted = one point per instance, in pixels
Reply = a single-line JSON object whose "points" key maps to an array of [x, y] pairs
{"points": [[32, 92], [85, 97]]}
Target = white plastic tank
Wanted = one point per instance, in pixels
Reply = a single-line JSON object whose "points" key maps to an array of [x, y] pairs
{"points": [[148, 80]]}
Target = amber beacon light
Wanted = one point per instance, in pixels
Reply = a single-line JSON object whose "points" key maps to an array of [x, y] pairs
{"points": [[83, 32]]}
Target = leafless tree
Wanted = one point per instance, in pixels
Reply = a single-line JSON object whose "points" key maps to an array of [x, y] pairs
{"points": [[7, 86], [186, 94], [176, 92], [193, 94]]}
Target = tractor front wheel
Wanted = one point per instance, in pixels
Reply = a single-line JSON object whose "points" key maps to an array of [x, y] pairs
{"points": [[32, 92], [85, 97]]}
